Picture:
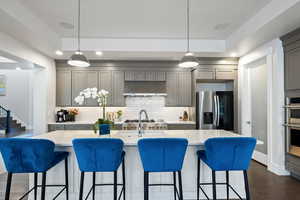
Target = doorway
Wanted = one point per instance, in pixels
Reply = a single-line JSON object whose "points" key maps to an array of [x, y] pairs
{"points": [[257, 101]]}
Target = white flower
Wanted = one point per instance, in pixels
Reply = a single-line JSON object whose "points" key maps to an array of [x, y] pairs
{"points": [[79, 99]]}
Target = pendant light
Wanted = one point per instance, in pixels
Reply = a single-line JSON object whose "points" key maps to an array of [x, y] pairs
{"points": [[188, 60], [78, 59]]}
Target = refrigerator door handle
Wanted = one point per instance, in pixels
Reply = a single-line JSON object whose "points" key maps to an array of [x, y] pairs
{"points": [[215, 111], [218, 110]]}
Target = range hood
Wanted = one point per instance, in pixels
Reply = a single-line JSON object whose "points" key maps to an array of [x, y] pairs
{"points": [[144, 94]]}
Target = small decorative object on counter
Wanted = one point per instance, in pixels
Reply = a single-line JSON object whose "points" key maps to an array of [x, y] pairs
{"points": [[61, 115], [72, 113], [104, 126], [119, 114], [185, 116]]}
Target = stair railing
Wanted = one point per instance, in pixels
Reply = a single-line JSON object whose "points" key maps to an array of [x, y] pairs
{"points": [[5, 115]]}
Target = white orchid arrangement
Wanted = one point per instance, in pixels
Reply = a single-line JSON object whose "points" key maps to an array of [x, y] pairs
{"points": [[101, 96]]}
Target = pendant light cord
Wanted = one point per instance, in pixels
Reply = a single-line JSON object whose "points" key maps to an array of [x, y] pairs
{"points": [[188, 25], [78, 34]]}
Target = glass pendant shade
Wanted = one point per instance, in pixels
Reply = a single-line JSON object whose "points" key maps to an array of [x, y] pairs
{"points": [[189, 61], [78, 60]]}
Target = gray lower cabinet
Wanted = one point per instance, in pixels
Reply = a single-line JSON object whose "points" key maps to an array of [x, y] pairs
{"points": [[179, 89], [118, 98], [82, 80], [63, 88]]}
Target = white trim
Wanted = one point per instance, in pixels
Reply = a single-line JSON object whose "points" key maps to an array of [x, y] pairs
{"points": [[276, 169], [273, 52], [246, 110], [260, 157]]}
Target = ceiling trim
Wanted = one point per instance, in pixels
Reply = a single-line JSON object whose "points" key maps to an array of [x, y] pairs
{"points": [[144, 45]]}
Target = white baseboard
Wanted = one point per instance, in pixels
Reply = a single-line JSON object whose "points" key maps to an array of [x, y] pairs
{"points": [[260, 157], [278, 170]]}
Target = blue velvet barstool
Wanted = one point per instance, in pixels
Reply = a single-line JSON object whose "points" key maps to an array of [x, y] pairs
{"points": [[32, 156], [163, 155], [226, 154], [100, 155]]}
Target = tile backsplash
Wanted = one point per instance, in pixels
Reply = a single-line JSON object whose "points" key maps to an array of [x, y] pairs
{"points": [[154, 105]]}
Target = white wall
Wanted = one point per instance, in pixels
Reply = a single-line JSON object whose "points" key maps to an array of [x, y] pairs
{"points": [[18, 97], [273, 51], [43, 81]]}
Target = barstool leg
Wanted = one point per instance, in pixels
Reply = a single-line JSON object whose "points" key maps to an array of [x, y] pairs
{"points": [[8, 185], [43, 186], [246, 185], [227, 184], [94, 184], [67, 179], [115, 185], [81, 185], [174, 182], [35, 185], [146, 187], [124, 179], [198, 179], [180, 185], [214, 185]]}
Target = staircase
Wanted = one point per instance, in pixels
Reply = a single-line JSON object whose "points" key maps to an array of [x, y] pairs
{"points": [[5, 120]]}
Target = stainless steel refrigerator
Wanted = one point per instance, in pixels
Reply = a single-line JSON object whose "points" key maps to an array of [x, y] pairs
{"points": [[214, 110]]}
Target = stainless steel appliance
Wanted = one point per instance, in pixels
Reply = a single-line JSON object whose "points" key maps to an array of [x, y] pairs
{"points": [[214, 110]]}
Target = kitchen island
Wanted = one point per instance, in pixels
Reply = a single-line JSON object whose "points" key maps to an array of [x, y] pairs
{"points": [[134, 170]]}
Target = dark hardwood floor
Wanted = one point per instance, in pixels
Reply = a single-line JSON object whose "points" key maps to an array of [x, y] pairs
{"points": [[264, 185], [267, 186]]}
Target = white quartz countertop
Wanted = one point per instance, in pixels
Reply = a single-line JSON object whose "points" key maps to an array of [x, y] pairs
{"points": [[130, 138], [89, 122]]}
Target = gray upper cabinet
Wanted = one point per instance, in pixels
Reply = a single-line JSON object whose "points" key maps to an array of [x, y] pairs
{"points": [[215, 74], [172, 87], [63, 88], [105, 83], [179, 89], [292, 69], [118, 98], [145, 76], [82, 80], [205, 74], [184, 89], [226, 74]]}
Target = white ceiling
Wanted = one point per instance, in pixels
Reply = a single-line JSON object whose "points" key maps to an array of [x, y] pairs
{"points": [[210, 19], [143, 29]]}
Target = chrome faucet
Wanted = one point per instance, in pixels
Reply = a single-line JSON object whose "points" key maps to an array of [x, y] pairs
{"points": [[140, 128]]}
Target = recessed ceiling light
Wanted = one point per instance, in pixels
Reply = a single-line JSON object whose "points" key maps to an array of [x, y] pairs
{"points": [[99, 53], [6, 60], [59, 53], [18, 68]]}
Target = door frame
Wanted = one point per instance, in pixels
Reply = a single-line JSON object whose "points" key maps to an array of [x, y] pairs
{"points": [[246, 103]]}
